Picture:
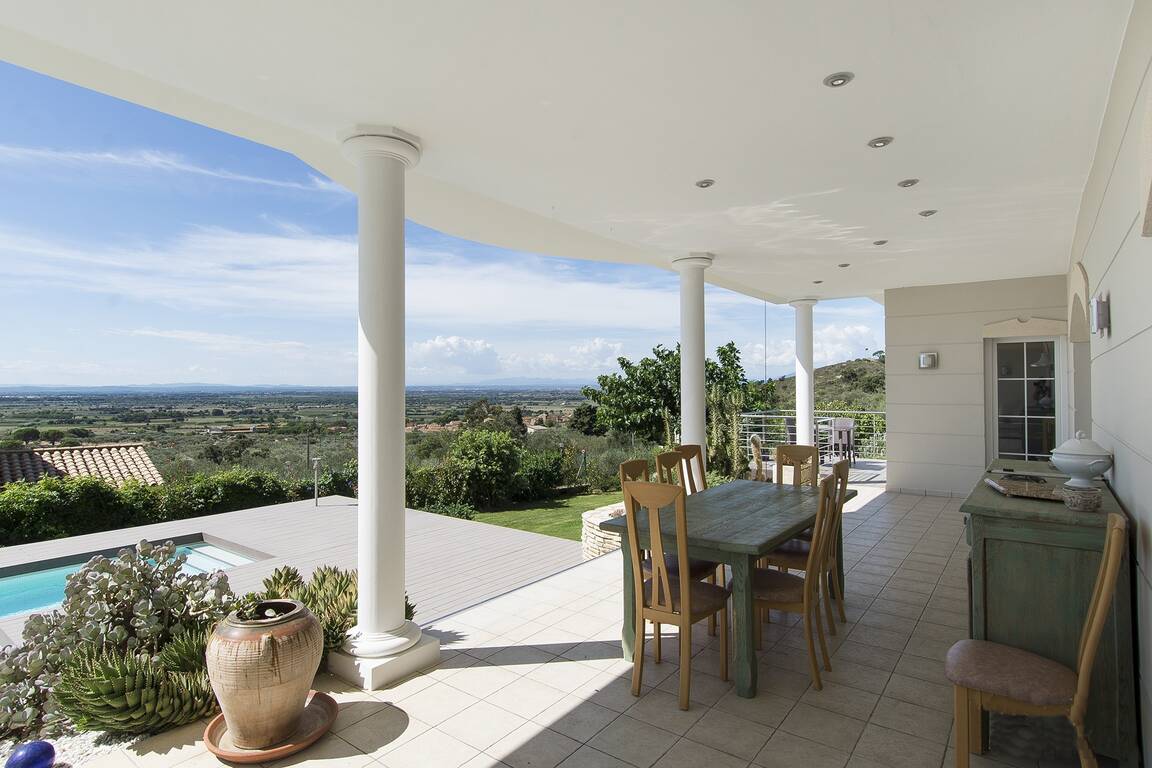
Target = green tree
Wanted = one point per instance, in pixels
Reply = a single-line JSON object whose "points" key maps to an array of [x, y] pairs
{"points": [[26, 434], [53, 436], [584, 420], [480, 467]]}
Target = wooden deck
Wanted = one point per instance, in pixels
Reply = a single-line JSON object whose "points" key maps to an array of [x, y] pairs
{"points": [[450, 564]]}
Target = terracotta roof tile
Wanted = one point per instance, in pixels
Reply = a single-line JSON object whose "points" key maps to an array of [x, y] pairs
{"points": [[114, 463]]}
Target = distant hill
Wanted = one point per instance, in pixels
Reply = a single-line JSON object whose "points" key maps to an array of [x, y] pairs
{"points": [[859, 383]]}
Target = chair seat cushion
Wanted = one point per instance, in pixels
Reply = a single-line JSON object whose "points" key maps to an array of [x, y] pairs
{"points": [[706, 599], [775, 587], [1010, 672], [697, 569]]}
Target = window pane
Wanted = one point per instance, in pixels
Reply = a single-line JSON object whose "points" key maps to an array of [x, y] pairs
{"points": [[1041, 437], [1011, 436], [1011, 398], [1041, 398], [1041, 359], [1010, 360]]}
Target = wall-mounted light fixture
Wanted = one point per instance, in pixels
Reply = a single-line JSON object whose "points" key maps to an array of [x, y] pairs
{"points": [[1100, 313], [929, 360]]}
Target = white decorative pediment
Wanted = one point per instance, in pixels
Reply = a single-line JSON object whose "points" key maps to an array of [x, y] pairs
{"points": [[1025, 326]]}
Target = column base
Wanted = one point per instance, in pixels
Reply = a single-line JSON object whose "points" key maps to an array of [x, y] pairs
{"points": [[374, 673], [372, 645]]}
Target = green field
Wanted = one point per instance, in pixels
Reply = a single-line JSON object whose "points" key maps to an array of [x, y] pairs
{"points": [[556, 517]]}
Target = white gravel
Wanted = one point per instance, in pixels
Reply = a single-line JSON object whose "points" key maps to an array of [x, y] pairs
{"points": [[75, 750]]}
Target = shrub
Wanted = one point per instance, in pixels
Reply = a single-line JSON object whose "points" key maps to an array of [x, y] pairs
{"points": [[479, 468], [540, 475], [225, 491], [422, 486], [61, 506], [452, 509], [130, 605]]}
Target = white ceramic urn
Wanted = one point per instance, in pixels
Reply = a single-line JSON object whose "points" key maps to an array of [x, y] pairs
{"points": [[1082, 459]]}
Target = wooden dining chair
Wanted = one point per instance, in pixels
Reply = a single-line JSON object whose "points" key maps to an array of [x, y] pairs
{"points": [[668, 468], [668, 596], [792, 555], [636, 469], [805, 463], [779, 591], [1000, 678], [756, 463], [692, 469]]}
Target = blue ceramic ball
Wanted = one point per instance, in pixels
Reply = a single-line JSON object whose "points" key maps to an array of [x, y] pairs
{"points": [[34, 754]]}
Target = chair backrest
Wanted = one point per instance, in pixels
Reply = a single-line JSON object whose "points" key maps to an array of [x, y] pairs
{"points": [[1115, 543], [756, 450], [692, 473], [636, 469], [823, 532], [642, 505], [668, 468], [843, 423], [798, 457]]}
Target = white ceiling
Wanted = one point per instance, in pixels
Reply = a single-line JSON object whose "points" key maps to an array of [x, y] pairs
{"points": [[579, 128]]}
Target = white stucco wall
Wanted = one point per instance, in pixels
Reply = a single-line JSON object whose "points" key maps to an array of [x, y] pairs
{"points": [[936, 421], [1118, 263]]}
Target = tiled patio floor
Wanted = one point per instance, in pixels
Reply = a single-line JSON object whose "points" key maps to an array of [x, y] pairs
{"points": [[534, 679]]}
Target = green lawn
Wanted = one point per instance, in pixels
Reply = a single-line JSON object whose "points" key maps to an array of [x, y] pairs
{"points": [[556, 517]]}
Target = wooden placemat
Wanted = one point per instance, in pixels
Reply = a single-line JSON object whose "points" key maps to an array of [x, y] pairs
{"points": [[1012, 486]]}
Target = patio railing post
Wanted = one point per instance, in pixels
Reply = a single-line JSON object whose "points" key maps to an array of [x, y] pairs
{"points": [[382, 633], [693, 427]]}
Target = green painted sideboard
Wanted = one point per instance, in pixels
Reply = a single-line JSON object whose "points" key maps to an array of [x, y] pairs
{"points": [[1033, 565]]}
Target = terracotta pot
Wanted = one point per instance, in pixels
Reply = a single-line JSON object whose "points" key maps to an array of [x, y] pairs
{"points": [[262, 670]]}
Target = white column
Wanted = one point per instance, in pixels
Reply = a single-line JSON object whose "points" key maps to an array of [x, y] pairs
{"points": [[805, 383], [693, 426], [381, 160]]}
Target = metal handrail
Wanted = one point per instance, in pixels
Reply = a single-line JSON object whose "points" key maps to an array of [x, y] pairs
{"points": [[779, 426]]}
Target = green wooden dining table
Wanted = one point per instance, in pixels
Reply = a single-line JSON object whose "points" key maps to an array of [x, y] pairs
{"points": [[736, 523]]}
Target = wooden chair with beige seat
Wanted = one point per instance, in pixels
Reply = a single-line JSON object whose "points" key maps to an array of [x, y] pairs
{"points": [[631, 471], [1000, 678], [756, 465], [666, 595], [793, 554], [779, 591], [692, 470], [805, 463]]}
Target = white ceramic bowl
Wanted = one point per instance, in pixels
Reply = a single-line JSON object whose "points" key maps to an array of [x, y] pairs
{"points": [[1082, 460]]}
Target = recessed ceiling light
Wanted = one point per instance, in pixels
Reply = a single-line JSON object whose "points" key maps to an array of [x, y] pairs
{"points": [[817, 282], [838, 79], [880, 142], [908, 183], [879, 242], [929, 212], [843, 265], [705, 183]]}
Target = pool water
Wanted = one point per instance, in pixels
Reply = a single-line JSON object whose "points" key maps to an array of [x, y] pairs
{"points": [[43, 590]]}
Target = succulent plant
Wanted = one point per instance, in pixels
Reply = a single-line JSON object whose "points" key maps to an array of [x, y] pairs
{"points": [[125, 692], [136, 602]]}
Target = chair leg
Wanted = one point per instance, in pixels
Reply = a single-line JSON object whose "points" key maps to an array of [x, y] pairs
{"points": [[759, 629], [961, 713], [813, 667], [712, 618], [827, 600], [685, 664], [656, 641], [724, 644], [976, 743], [820, 635], [837, 592], [1084, 749], [638, 655]]}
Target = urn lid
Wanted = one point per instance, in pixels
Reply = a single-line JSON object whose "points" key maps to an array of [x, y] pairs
{"points": [[1081, 445]]}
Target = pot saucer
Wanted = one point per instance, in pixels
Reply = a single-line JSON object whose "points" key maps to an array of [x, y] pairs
{"points": [[319, 714]]}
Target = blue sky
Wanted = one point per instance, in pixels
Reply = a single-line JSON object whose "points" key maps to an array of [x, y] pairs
{"points": [[138, 248]]}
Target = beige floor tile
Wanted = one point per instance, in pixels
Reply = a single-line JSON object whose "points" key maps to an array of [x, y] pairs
{"points": [[576, 718], [633, 741], [691, 754], [329, 752], [892, 640], [533, 746], [662, 709], [587, 757], [785, 750], [730, 734], [931, 670], [436, 703], [842, 699], [117, 759], [481, 725], [917, 691], [169, 748], [862, 676], [868, 655], [765, 709], [563, 674], [527, 698], [828, 728], [352, 712], [704, 688], [897, 608], [782, 682], [913, 719], [877, 618], [482, 680], [378, 734], [483, 761], [403, 688], [433, 747], [894, 749], [612, 691]]}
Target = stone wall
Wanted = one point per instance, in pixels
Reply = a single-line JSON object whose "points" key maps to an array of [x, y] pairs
{"points": [[595, 541]]}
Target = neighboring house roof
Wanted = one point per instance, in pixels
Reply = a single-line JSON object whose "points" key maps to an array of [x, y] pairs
{"points": [[114, 463]]}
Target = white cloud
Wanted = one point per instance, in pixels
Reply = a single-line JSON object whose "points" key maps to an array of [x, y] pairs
{"points": [[586, 358], [226, 343], [453, 355], [830, 344], [152, 160]]}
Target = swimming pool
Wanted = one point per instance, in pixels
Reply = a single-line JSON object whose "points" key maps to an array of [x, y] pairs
{"points": [[44, 589]]}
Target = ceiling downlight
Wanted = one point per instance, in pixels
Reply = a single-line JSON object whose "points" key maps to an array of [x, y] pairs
{"points": [[879, 242], [705, 183], [928, 212], [880, 142], [905, 183], [839, 79]]}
